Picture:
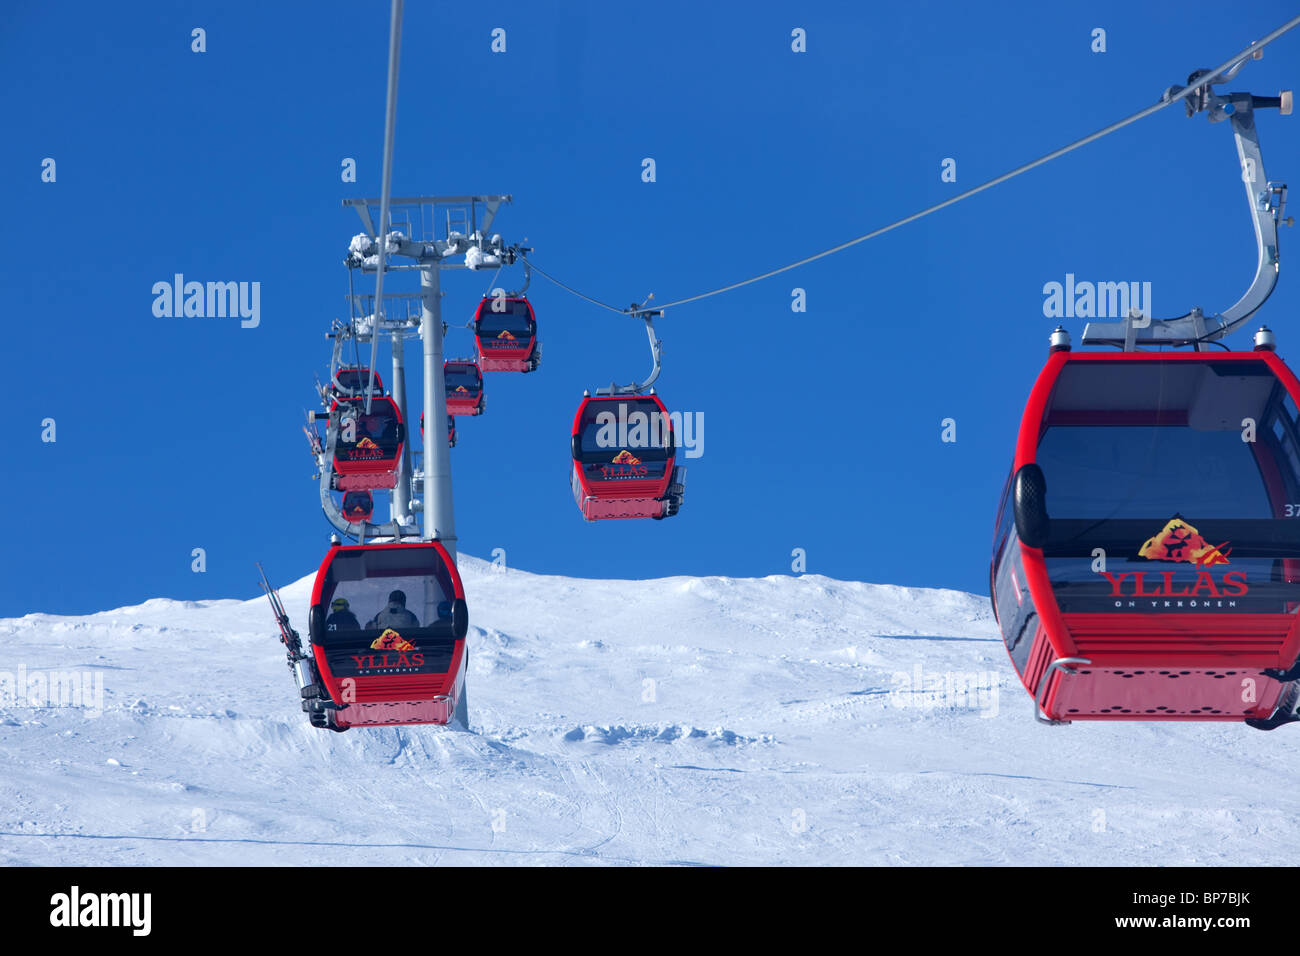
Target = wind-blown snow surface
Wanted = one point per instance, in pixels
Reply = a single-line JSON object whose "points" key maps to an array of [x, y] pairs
{"points": [[683, 720]]}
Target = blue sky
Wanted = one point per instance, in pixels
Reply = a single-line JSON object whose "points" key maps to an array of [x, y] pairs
{"points": [[822, 429]]}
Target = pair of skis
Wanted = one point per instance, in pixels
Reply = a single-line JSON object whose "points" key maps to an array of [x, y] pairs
{"points": [[315, 699]]}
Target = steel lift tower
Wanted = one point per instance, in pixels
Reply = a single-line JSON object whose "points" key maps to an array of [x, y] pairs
{"points": [[430, 233]]}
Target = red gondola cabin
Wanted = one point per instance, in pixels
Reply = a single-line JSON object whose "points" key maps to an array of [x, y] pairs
{"points": [[623, 452], [463, 383], [506, 332], [368, 451], [1146, 558], [387, 626], [358, 506]]}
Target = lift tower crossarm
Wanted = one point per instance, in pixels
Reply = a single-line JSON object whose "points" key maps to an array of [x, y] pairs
{"points": [[418, 211]]}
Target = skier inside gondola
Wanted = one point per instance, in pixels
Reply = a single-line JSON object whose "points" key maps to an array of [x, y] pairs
{"points": [[379, 428], [341, 617], [394, 614]]}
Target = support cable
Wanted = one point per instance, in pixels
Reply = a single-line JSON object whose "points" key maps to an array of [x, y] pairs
{"points": [[390, 121], [1168, 99]]}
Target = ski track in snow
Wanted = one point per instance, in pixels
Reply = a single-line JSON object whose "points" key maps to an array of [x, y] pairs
{"points": [[771, 734]]}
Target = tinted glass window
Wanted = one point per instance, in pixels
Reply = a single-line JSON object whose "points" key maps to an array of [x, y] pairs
{"points": [[1006, 518], [515, 319], [625, 427], [385, 589], [376, 435], [458, 376], [355, 380], [1286, 444], [1167, 443], [1145, 440], [1143, 472]]}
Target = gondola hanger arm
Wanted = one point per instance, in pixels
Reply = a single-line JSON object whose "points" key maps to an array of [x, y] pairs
{"points": [[528, 278], [656, 353], [1265, 199]]}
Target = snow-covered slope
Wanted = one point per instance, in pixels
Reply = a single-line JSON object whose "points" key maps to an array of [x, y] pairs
{"points": [[683, 720]]}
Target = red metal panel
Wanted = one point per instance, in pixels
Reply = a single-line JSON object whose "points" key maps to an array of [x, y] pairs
{"points": [[1186, 640], [366, 481], [471, 404], [421, 699], [490, 362], [1162, 693], [596, 509]]}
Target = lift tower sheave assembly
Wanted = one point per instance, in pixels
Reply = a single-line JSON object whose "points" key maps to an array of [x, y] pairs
{"points": [[432, 233]]}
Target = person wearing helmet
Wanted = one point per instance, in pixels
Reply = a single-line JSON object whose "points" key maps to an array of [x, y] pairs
{"points": [[394, 614], [341, 617]]}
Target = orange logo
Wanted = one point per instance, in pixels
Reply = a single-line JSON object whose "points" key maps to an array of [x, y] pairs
{"points": [[461, 388], [366, 443], [390, 640], [625, 457], [505, 334], [1179, 541]]}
